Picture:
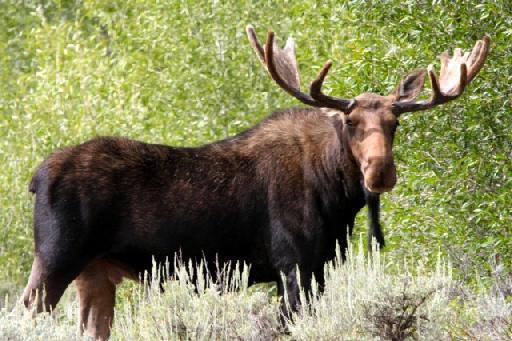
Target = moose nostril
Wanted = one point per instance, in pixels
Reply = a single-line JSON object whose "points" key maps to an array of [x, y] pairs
{"points": [[373, 162], [367, 163], [381, 173]]}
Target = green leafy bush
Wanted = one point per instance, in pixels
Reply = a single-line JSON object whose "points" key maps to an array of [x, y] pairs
{"points": [[182, 73]]}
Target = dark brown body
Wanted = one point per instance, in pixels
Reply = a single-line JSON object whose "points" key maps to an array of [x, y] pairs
{"points": [[277, 196]]}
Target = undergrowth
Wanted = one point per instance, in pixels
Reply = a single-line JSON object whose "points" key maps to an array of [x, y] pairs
{"points": [[364, 298]]}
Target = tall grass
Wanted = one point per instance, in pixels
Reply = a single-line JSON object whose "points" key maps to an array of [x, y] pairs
{"points": [[364, 299]]}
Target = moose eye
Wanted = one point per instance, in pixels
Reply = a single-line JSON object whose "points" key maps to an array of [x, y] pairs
{"points": [[349, 122]]}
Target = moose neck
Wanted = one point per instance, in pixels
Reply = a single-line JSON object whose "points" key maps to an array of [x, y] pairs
{"points": [[335, 166], [308, 138], [337, 177]]}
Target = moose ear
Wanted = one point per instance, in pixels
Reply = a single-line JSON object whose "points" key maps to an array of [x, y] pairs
{"points": [[410, 86]]}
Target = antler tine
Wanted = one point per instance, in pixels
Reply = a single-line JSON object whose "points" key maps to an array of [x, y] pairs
{"points": [[282, 67], [316, 85], [251, 33], [271, 67], [316, 91], [477, 60], [434, 83], [456, 73]]}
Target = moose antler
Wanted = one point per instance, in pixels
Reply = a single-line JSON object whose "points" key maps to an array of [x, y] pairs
{"points": [[282, 66], [456, 73]]}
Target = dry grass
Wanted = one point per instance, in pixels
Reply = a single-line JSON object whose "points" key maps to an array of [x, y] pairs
{"points": [[364, 299]]}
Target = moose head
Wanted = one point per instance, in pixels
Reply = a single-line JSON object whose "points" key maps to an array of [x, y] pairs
{"points": [[370, 120]]}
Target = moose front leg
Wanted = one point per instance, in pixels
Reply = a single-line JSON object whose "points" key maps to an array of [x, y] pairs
{"points": [[296, 243], [294, 269], [289, 287]]}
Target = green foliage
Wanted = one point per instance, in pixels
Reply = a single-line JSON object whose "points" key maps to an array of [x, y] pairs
{"points": [[182, 73]]}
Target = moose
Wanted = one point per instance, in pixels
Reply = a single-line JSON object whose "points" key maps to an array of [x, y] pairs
{"points": [[278, 196]]}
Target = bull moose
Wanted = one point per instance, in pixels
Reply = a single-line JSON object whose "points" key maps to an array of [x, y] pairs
{"points": [[278, 196]]}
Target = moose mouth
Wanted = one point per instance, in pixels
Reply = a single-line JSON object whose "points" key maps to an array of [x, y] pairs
{"points": [[372, 189], [379, 178]]}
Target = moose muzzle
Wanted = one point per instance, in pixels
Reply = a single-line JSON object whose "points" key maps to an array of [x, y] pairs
{"points": [[379, 174]]}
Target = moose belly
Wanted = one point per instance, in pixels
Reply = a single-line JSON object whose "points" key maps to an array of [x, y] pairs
{"points": [[208, 234]]}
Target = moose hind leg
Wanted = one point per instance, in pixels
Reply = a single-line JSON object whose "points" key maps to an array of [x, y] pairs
{"points": [[39, 294], [60, 255], [46, 285], [96, 290]]}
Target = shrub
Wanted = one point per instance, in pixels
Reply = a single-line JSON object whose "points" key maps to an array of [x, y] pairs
{"points": [[364, 298]]}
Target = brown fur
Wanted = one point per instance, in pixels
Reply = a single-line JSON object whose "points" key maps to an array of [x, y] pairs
{"points": [[286, 188], [96, 292], [96, 286]]}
